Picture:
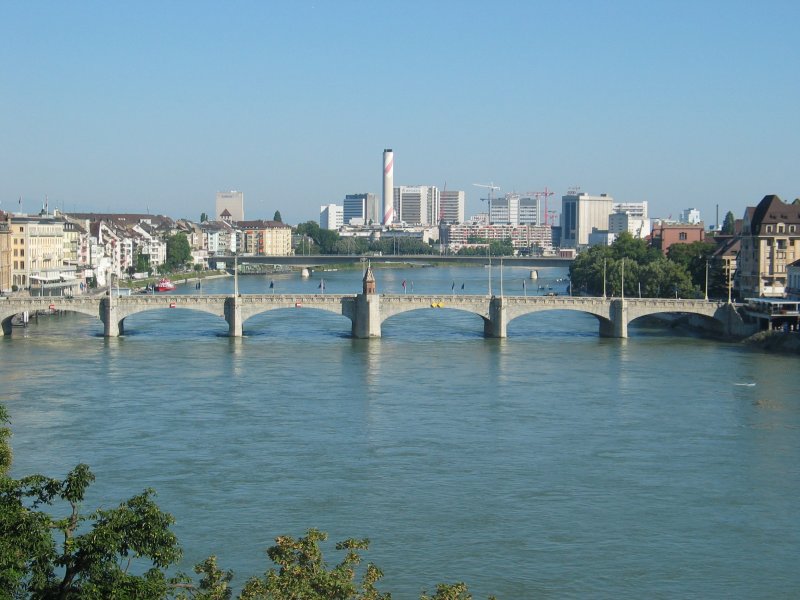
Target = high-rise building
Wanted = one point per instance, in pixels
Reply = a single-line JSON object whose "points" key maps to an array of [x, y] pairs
{"points": [[581, 212], [624, 221], [637, 210], [451, 204], [516, 209], [361, 209], [691, 216], [417, 205], [233, 202], [331, 216]]}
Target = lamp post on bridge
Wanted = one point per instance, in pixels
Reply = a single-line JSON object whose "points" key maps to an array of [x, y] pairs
{"points": [[706, 297], [604, 279]]}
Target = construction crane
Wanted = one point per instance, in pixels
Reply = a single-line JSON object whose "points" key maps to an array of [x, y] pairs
{"points": [[491, 187]]}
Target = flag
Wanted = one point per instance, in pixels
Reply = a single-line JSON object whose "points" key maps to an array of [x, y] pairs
{"points": [[271, 284], [462, 286], [523, 284], [452, 287], [321, 284]]}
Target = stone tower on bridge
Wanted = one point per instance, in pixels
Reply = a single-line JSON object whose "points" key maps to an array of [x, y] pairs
{"points": [[369, 281]]}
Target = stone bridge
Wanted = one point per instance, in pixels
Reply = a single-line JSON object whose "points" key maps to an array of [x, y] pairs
{"points": [[368, 311]]}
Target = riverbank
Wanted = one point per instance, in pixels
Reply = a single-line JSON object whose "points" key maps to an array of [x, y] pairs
{"points": [[783, 342], [176, 278]]}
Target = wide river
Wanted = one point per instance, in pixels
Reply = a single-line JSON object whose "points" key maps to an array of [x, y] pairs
{"points": [[550, 464]]}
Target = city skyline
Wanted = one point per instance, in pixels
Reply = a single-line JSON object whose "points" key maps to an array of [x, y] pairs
{"points": [[158, 107]]}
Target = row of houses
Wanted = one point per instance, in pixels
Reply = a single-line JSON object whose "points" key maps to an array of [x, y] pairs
{"points": [[70, 250]]}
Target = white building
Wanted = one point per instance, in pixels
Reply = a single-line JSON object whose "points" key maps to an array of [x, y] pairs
{"points": [[515, 209], [580, 213], [521, 236], [623, 221], [233, 202], [417, 205], [452, 206], [331, 216], [691, 216], [635, 209]]}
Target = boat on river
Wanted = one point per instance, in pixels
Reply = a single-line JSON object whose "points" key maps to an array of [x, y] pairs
{"points": [[165, 285]]}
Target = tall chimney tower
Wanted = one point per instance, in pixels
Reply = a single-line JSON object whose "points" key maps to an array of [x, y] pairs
{"points": [[388, 186]]}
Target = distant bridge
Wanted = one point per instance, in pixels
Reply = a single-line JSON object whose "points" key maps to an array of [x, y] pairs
{"points": [[368, 311], [320, 260]]}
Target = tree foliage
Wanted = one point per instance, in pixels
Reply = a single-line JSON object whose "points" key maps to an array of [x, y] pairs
{"points": [[178, 251], [639, 265], [125, 552], [729, 224], [277, 217], [91, 555]]}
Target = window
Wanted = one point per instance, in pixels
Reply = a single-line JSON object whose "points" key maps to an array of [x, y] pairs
{"points": [[682, 235], [792, 228]]}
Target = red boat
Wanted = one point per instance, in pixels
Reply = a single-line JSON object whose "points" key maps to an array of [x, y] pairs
{"points": [[165, 285]]}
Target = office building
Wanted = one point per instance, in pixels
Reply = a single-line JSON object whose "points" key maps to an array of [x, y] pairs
{"points": [[331, 216], [638, 227], [516, 209], [691, 216], [417, 205], [637, 210], [581, 212], [361, 209], [233, 202], [451, 203]]}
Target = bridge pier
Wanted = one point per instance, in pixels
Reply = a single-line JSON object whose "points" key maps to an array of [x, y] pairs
{"points": [[496, 326], [233, 315], [617, 326], [112, 326], [366, 316]]}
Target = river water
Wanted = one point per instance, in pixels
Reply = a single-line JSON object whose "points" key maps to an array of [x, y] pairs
{"points": [[551, 464]]}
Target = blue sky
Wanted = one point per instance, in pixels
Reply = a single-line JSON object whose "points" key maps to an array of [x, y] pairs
{"points": [[157, 105]]}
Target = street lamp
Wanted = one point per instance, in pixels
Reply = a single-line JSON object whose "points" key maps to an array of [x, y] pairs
{"points": [[604, 279], [706, 279]]}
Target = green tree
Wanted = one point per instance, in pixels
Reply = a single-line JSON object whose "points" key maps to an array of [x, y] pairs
{"points": [[303, 573], [178, 251], [142, 262], [203, 217], [91, 555], [729, 224], [325, 239], [277, 217], [693, 258], [643, 266]]}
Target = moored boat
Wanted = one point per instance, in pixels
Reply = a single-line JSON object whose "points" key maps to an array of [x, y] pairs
{"points": [[165, 285]]}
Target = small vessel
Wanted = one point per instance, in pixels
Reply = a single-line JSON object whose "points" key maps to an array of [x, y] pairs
{"points": [[165, 285], [534, 274], [305, 272]]}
